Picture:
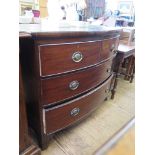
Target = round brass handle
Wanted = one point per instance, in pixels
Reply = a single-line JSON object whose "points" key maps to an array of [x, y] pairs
{"points": [[77, 56], [74, 85], [75, 111], [112, 47], [109, 70]]}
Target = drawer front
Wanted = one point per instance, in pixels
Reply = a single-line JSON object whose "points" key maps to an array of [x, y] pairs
{"points": [[61, 116], [109, 47], [63, 87], [61, 58]]}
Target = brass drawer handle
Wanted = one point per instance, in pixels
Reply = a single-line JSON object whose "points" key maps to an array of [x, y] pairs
{"points": [[75, 111], [112, 49], [77, 56], [74, 85]]}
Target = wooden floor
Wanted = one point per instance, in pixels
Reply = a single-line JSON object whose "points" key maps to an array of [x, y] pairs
{"points": [[87, 136], [125, 146]]}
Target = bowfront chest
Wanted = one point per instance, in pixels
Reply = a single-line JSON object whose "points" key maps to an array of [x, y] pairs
{"points": [[67, 75]]}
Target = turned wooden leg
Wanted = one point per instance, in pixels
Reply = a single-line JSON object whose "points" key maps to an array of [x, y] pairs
{"points": [[133, 70], [130, 73], [132, 77], [127, 76], [117, 63], [113, 90], [126, 62]]}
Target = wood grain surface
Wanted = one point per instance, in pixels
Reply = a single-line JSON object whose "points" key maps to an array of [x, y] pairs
{"points": [[86, 137], [60, 55], [60, 117], [126, 145], [57, 88]]}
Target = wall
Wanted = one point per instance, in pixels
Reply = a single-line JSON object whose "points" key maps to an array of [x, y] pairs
{"points": [[43, 8]]}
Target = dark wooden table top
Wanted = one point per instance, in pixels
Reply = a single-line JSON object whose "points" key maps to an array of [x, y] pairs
{"points": [[125, 48]]}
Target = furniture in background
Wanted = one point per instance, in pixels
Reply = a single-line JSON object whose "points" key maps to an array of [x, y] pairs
{"points": [[125, 60], [110, 22], [67, 75], [127, 36], [126, 16], [121, 22], [24, 5], [126, 55], [29, 12], [26, 144]]}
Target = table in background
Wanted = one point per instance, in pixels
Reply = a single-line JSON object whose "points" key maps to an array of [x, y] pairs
{"points": [[124, 51]]}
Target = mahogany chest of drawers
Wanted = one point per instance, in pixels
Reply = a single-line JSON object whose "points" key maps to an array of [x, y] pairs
{"points": [[67, 75]]}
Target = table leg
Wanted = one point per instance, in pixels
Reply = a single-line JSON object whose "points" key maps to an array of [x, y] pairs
{"points": [[117, 63], [129, 68], [133, 70]]}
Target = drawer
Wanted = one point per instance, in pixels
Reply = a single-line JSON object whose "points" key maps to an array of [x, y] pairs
{"points": [[65, 57], [63, 87], [109, 47], [61, 116]]}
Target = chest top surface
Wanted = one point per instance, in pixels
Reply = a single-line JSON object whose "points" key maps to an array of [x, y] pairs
{"points": [[63, 31]]}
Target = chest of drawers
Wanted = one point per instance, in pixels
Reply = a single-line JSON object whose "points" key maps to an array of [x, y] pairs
{"points": [[67, 75]]}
